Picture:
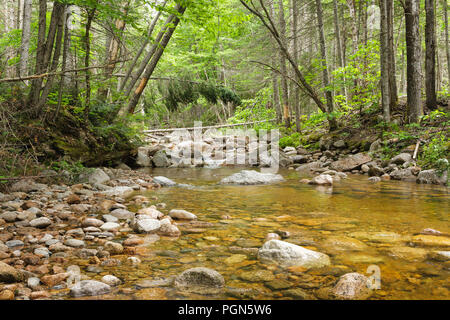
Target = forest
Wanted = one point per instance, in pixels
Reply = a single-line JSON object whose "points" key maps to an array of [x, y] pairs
{"points": [[93, 94]]}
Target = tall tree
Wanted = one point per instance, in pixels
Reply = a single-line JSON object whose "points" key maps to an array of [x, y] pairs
{"points": [[393, 95], [413, 60], [180, 9], [384, 61], [325, 75], [447, 49], [25, 41], [283, 69], [295, 54], [430, 55]]}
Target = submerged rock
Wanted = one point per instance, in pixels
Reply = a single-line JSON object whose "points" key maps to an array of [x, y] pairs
{"points": [[182, 214], [288, 254], [9, 274], [249, 177], [200, 280], [352, 286]]}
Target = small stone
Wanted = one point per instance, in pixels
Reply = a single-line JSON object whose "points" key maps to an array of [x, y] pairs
{"points": [[40, 222], [73, 199], [75, 243], [53, 280], [113, 247], [6, 295], [111, 280], [200, 280], [182, 214], [92, 222], [110, 226], [9, 274]]}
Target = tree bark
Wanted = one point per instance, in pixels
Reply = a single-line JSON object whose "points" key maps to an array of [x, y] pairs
{"points": [[413, 57], [295, 54], [275, 84], [325, 75], [393, 96], [40, 52], [430, 55], [384, 61], [447, 49], [25, 42], [87, 48], [283, 69]]}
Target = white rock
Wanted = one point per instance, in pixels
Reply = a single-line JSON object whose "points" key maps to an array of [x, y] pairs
{"points": [[249, 177], [288, 254], [111, 280], [110, 226], [182, 214], [89, 288]]}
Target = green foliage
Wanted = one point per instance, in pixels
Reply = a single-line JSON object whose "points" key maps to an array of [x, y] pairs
{"points": [[363, 70], [434, 153], [256, 109], [290, 141]]}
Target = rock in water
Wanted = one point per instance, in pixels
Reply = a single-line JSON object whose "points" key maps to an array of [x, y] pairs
{"points": [[42, 222], [200, 280], [352, 286], [146, 225], [288, 254], [182, 215], [432, 177], [248, 177], [89, 288], [163, 181], [322, 180], [121, 191]]}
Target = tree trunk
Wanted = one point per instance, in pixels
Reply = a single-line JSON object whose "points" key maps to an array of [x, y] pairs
{"points": [[393, 96], [149, 55], [339, 48], [87, 48], [283, 69], [154, 61], [384, 60], [142, 48], [413, 57], [295, 53], [40, 52], [25, 42], [447, 49], [430, 55], [325, 75]]}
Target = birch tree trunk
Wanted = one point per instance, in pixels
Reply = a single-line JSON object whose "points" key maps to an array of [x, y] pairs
{"points": [[447, 50], [393, 96]]}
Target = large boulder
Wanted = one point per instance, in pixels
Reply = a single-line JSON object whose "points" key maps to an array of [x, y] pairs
{"points": [[98, 176], [403, 174], [309, 166], [401, 158], [288, 254], [200, 280], [143, 159], [160, 159], [432, 177], [249, 177], [351, 162], [89, 288]]}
